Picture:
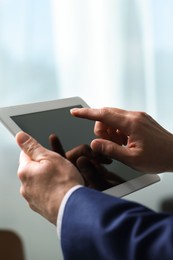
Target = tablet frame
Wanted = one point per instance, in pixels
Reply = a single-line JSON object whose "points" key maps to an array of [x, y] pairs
{"points": [[7, 112]]}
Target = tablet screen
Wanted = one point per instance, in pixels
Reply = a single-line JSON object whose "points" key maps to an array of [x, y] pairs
{"points": [[70, 130]]}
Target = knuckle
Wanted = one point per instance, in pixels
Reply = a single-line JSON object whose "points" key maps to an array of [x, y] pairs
{"points": [[139, 115], [136, 119], [32, 146], [98, 128], [135, 160], [108, 150], [21, 175], [22, 191], [32, 206], [98, 132], [103, 111]]}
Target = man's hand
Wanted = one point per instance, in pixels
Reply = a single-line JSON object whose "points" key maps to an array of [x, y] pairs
{"points": [[133, 138], [46, 176]]}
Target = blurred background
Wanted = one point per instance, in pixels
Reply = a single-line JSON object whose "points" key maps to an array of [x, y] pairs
{"points": [[109, 52]]}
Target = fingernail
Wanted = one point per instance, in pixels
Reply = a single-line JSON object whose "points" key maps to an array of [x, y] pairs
{"points": [[74, 109]]}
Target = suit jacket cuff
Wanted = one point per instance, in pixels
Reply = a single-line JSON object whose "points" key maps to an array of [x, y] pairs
{"points": [[62, 207]]}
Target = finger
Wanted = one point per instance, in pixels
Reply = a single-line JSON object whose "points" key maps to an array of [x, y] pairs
{"points": [[56, 144], [81, 150], [100, 130], [85, 150], [30, 146], [117, 137], [114, 117], [109, 133], [123, 139], [111, 149]]}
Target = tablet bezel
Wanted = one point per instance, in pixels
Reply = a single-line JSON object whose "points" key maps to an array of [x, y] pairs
{"points": [[7, 112]]}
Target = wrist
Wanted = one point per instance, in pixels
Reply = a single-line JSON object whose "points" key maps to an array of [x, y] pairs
{"points": [[57, 200]]}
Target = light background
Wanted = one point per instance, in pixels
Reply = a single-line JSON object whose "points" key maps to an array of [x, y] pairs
{"points": [[109, 52]]}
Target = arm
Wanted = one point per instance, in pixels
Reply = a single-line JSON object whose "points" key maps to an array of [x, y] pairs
{"points": [[131, 137], [104, 227]]}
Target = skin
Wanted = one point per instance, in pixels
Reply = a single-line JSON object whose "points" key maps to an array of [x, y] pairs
{"points": [[45, 175], [134, 138]]}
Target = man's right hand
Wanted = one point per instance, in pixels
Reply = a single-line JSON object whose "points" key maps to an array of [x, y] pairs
{"points": [[133, 138]]}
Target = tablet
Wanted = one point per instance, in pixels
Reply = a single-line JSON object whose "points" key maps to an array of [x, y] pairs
{"points": [[44, 118]]}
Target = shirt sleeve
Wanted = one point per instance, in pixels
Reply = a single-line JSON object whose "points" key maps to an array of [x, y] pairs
{"points": [[62, 207]]}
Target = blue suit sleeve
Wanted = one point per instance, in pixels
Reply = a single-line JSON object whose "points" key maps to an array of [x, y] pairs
{"points": [[97, 226]]}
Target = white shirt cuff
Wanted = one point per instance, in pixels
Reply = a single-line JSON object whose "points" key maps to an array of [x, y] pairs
{"points": [[62, 207]]}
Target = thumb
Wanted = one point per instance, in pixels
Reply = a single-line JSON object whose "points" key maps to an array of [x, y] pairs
{"points": [[30, 146], [110, 149]]}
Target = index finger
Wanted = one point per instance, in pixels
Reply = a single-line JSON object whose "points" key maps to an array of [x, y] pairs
{"points": [[114, 117]]}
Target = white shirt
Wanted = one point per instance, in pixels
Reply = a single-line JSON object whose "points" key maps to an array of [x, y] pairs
{"points": [[62, 207]]}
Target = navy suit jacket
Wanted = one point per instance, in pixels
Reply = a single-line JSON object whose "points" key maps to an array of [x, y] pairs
{"points": [[97, 226]]}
